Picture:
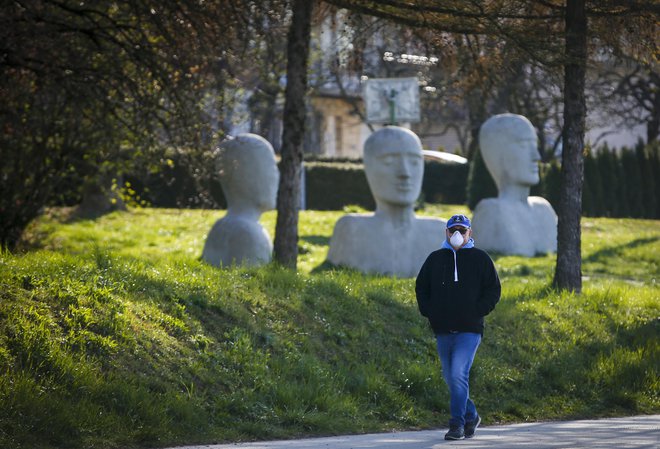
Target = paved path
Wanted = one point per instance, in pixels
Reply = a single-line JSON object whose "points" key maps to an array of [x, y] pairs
{"points": [[639, 432]]}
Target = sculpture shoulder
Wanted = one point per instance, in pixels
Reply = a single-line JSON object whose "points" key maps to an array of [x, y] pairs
{"points": [[493, 210], [489, 204], [349, 227], [355, 229], [237, 240], [353, 221], [239, 229], [541, 207], [430, 224], [498, 224], [428, 233], [545, 225], [351, 240]]}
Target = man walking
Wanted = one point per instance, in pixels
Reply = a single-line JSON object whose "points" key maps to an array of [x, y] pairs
{"points": [[456, 288]]}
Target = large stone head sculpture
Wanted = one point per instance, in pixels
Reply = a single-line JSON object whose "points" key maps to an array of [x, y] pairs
{"points": [[509, 147], [394, 166], [248, 172]]}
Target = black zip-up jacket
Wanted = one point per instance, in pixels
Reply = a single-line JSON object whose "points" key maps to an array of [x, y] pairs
{"points": [[457, 306]]}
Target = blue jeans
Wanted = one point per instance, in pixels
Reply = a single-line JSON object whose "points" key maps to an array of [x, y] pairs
{"points": [[456, 355]]}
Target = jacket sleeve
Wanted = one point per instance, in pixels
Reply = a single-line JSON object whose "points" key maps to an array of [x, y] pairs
{"points": [[423, 288], [490, 289]]}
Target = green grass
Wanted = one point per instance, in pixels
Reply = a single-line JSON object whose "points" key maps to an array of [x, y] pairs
{"points": [[114, 335]]}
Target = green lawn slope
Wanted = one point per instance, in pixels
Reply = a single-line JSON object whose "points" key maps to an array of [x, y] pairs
{"points": [[114, 335]]}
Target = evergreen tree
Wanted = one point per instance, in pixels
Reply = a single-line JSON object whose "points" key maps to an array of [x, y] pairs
{"points": [[594, 178], [589, 206], [607, 179], [614, 183], [587, 198], [621, 189], [653, 151], [645, 164], [537, 190], [551, 183], [634, 187], [480, 182]]}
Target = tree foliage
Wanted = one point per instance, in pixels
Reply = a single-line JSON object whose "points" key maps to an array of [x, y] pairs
{"points": [[630, 92], [91, 89]]}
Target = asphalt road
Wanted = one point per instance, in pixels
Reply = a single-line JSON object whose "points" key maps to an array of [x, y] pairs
{"points": [[638, 432]]}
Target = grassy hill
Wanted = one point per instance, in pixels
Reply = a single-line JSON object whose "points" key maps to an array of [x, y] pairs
{"points": [[114, 335]]}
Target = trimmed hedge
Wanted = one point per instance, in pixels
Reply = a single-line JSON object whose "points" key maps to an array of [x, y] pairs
{"points": [[331, 186], [444, 182], [334, 185]]}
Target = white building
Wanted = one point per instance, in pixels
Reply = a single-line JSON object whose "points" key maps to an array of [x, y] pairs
{"points": [[336, 124]]}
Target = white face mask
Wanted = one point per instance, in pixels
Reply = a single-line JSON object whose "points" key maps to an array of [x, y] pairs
{"points": [[456, 240]]}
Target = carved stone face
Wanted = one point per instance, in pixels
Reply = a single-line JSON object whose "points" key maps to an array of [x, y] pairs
{"points": [[265, 179], [509, 147], [522, 167], [394, 166]]}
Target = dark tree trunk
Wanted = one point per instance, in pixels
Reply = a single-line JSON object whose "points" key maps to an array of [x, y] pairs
{"points": [[568, 272], [288, 198]]}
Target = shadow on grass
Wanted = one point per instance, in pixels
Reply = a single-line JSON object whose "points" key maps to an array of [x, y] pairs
{"points": [[617, 250], [323, 268], [320, 240], [327, 266], [497, 255]]}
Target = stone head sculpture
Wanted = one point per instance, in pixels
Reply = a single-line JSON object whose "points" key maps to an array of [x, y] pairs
{"points": [[249, 179], [509, 147], [393, 240], [394, 166], [248, 173]]}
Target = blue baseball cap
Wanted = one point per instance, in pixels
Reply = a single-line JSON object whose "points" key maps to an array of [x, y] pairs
{"points": [[458, 220]]}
